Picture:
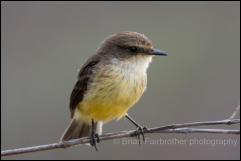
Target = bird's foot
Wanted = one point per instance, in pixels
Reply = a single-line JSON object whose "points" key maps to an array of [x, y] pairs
{"points": [[140, 131], [94, 139]]}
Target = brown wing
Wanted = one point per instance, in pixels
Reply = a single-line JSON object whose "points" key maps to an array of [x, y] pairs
{"points": [[81, 85]]}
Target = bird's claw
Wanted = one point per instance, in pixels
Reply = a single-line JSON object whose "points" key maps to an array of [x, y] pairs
{"points": [[140, 131], [94, 139]]}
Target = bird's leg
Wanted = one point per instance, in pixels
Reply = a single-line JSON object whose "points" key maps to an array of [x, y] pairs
{"points": [[140, 129], [94, 137]]}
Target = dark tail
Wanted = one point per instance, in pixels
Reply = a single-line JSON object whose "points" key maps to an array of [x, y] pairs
{"points": [[78, 129]]}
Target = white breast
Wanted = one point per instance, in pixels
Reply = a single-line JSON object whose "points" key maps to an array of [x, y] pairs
{"points": [[136, 65]]}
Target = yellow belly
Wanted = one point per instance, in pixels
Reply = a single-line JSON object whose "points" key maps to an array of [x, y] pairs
{"points": [[111, 95]]}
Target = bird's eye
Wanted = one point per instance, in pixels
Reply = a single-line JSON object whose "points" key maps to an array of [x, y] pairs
{"points": [[132, 48]]}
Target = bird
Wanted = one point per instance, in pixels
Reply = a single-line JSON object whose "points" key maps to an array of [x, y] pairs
{"points": [[109, 83]]}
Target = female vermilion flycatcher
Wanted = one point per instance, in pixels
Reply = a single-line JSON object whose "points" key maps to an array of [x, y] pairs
{"points": [[109, 84]]}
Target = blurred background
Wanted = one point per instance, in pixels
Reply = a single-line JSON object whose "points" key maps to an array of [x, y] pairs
{"points": [[45, 43]]}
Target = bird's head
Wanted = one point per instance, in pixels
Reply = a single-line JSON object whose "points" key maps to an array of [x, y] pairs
{"points": [[127, 45]]}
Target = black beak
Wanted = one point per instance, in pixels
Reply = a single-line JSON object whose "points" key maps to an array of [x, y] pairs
{"points": [[154, 51]]}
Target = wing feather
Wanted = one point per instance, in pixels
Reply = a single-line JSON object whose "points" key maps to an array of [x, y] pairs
{"points": [[81, 85]]}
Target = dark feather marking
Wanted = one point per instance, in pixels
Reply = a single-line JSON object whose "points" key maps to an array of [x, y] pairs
{"points": [[82, 84]]}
